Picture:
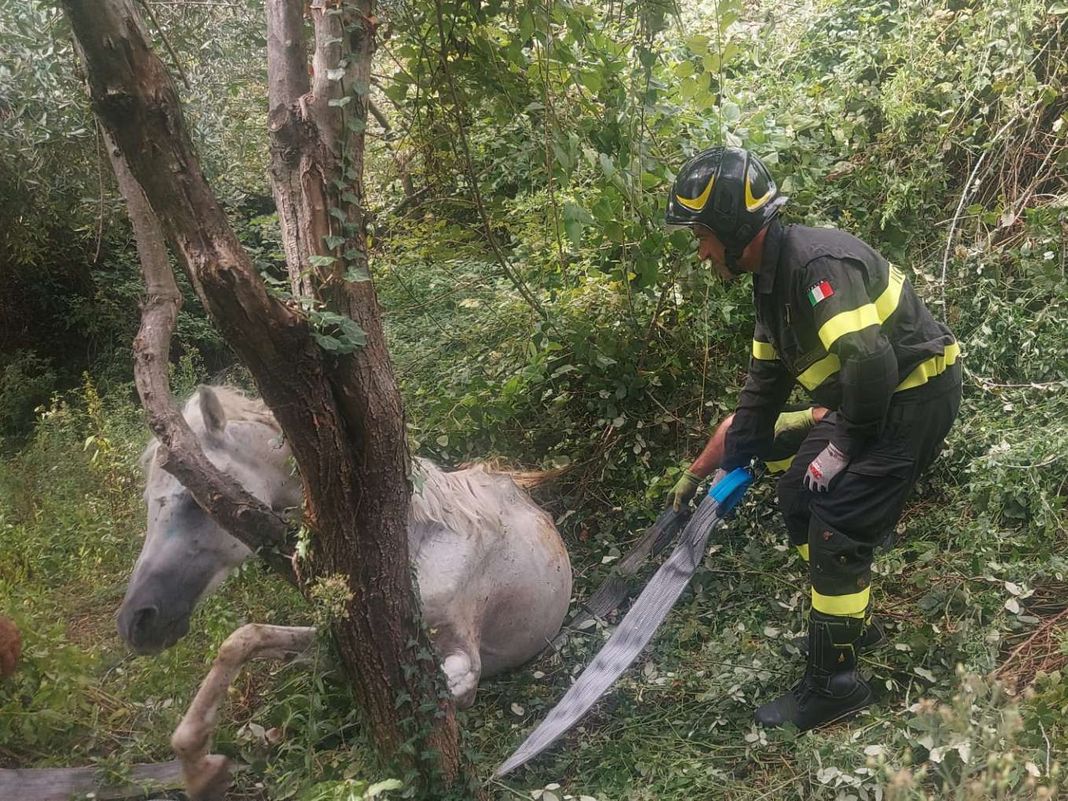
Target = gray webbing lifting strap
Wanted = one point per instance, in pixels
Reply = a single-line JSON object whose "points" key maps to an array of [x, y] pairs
{"points": [[617, 586], [640, 623]]}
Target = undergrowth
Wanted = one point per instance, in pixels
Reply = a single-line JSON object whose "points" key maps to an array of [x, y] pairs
{"points": [[934, 130]]}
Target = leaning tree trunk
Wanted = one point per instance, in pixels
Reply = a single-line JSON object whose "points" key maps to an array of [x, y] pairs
{"points": [[341, 411]]}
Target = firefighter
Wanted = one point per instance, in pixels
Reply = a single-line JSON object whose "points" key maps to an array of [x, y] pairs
{"points": [[835, 317]]}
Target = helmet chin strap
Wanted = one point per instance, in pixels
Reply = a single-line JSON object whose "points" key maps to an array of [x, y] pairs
{"points": [[732, 256]]}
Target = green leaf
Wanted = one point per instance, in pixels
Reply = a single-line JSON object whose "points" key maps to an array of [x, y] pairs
{"points": [[526, 24], [613, 231], [357, 275], [573, 229], [607, 167], [340, 102], [698, 45], [592, 80], [378, 788], [684, 69], [333, 241], [321, 261]]}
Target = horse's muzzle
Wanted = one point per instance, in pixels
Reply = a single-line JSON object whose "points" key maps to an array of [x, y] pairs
{"points": [[147, 631]]}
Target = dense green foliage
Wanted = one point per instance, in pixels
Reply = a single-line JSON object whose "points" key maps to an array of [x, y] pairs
{"points": [[538, 311]]}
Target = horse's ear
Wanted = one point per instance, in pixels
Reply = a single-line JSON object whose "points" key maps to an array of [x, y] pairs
{"points": [[211, 410]]}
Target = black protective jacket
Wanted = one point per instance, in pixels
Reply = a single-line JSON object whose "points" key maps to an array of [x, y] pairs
{"points": [[835, 316]]}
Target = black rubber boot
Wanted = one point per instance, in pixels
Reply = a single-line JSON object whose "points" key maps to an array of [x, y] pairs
{"points": [[831, 687], [872, 636]]}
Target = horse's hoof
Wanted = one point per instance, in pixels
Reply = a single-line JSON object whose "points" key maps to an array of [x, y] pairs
{"points": [[209, 779]]}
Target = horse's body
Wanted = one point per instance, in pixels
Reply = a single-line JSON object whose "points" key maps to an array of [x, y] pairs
{"points": [[494, 576]]}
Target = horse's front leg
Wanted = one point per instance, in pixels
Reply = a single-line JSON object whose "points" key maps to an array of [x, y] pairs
{"points": [[207, 775]]}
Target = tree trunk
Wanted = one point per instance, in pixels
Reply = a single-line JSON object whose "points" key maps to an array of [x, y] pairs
{"points": [[342, 414]]}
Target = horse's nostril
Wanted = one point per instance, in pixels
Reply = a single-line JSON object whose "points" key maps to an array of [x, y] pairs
{"points": [[142, 619]]}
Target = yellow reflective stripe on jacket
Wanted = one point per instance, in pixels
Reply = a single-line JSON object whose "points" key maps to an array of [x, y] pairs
{"points": [[779, 465], [867, 315], [764, 351], [819, 372], [803, 550], [852, 605], [927, 370]]}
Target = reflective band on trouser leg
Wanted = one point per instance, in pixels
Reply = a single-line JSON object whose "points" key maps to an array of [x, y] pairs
{"points": [[854, 605], [839, 570], [779, 466]]}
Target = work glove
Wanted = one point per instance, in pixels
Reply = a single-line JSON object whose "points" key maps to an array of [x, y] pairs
{"points": [[792, 421], [684, 490], [825, 468]]}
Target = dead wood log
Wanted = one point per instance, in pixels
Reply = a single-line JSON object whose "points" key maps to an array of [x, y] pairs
{"points": [[62, 784]]}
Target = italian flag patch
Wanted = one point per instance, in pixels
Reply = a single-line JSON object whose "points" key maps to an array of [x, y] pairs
{"points": [[820, 291]]}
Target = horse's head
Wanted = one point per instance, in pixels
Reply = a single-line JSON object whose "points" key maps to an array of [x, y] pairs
{"points": [[186, 555]]}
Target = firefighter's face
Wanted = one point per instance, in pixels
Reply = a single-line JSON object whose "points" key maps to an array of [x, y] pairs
{"points": [[709, 248]]}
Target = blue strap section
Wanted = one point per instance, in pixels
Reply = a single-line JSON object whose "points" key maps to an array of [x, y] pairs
{"points": [[730, 489]]}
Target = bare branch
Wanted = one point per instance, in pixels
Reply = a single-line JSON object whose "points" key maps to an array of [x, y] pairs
{"points": [[376, 112], [288, 93]]}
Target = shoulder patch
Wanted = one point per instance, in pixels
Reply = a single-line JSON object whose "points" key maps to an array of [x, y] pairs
{"points": [[820, 291]]}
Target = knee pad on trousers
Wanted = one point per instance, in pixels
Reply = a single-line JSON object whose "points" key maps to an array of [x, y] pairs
{"points": [[840, 570]]}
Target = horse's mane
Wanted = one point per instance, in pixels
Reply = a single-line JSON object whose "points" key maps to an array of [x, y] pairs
{"points": [[461, 500], [237, 405]]}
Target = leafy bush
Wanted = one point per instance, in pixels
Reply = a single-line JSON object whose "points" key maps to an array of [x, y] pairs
{"points": [[26, 382]]}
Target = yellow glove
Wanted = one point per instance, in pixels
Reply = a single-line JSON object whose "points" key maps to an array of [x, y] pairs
{"points": [[792, 421], [684, 490]]}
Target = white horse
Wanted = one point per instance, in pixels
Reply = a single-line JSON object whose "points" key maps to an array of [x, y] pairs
{"points": [[494, 575]]}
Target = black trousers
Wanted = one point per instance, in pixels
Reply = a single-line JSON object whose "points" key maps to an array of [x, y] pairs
{"points": [[842, 527]]}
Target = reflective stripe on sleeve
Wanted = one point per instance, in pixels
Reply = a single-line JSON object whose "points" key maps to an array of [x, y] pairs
{"points": [[867, 315], [852, 605], [928, 369], [764, 351], [819, 372]]}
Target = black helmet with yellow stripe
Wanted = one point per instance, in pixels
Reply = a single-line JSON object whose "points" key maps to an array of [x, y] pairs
{"points": [[729, 191]]}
